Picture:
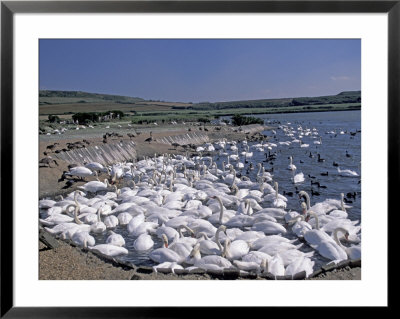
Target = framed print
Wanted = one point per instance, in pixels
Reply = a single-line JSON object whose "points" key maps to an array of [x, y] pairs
{"points": [[173, 130]]}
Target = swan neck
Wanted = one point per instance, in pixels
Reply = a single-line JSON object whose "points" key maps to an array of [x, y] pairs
{"points": [[217, 240], [99, 213], [316, 219], [336, 237], [342, 203], [248, 207], [226, 252], [307, 199], [76, 218], [221, 209]]}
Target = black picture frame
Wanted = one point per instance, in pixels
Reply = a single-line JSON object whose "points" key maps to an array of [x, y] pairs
{"points": [[9, 8]]}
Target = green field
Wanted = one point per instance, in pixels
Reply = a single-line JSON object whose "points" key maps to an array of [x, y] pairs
{"points": [[66, 103]]}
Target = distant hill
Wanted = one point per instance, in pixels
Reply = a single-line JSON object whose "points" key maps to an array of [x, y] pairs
{"points": [[47, 97], [70, 102], [341, 98]]}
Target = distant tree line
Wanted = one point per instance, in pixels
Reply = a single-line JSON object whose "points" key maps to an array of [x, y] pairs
{"points": [[87, 117], [341, 98], [240, 120]]}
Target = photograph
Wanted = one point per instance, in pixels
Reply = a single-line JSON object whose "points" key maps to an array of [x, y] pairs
{"points": [[199, 158]]}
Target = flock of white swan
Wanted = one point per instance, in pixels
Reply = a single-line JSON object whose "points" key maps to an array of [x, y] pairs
{"points": [[205, 216]]}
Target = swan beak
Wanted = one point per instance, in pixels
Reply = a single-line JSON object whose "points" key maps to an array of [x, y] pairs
{"points": [[346, 236]]}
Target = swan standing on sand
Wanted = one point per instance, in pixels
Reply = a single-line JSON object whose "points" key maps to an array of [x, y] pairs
{"points": [[95, 186], [80, 171]]}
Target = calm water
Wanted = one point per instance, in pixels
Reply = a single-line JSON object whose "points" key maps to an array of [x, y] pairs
{"points": [[328, 126]]}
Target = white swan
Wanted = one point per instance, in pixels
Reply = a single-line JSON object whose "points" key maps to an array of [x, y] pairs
{"points": [[163, 254], [275, 266], [347, 173], [80, 171], [98, 227], [208, 262], [276, 213], [339, 213], [209, 247], [143, 242], [267, 240], [223, 216], [95, 186], [145, 227], [170, 232], [82, 238], [110, 250], [111, 221], [300, 226], [298, 178], [115, 239], [168, 265], [236, 249], [290, 255], [291, 166], [278, 202], [353, 252], [300, 264], [276, 247], [269, 228], [315, 236], [250, 236], [124, 218], [324, 244], [256, 256], [248, 265]]}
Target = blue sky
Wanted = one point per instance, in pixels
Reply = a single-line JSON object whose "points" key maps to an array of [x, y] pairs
{"points": [[201, 70]]}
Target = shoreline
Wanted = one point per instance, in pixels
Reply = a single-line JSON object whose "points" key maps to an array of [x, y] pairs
{"points": [[67, 262]]}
